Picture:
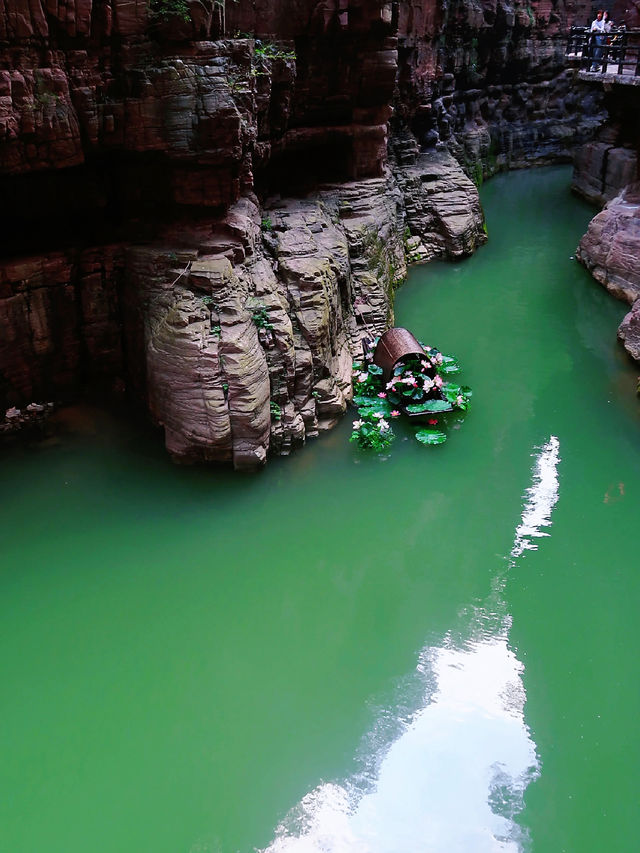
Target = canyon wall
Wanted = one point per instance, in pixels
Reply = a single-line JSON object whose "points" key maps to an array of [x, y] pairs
{"points": [[211, 210], [607, 172]]}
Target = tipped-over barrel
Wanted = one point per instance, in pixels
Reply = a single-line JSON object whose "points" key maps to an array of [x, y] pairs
{"points": [[393, 346]]}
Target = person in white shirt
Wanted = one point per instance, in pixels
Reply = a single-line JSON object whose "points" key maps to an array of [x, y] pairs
{"points": [[598, 30]]}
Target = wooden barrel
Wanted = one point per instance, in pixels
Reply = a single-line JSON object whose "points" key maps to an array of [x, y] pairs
{"points": [[393, 346]]}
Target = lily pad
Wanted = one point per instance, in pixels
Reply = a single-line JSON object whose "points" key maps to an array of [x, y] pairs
{"points": [[372, 404], [451, 391], [364, 400], [430, 436], [449, 365], [429, 406]]}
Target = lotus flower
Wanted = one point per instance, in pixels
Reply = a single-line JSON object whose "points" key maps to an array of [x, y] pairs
{"points": [[459, 399], [377, 414], [382, 394], [362, 377], [395, 413], [432, 421], [384, 426], [358, 424]]}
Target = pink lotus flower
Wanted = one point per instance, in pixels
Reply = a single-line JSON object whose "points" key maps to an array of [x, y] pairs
{"points": [[438, 381], [395, 413], [432, 421], [382, 394], [459, 399]]}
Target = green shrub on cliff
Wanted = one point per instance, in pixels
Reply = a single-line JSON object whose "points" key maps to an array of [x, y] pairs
{"points": [[163, 10]]}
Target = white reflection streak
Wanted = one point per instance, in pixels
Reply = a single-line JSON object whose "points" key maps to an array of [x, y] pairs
{"points": [[542, 497], [454, 779]]}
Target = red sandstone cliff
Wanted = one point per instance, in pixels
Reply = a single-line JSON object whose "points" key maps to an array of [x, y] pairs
{"points": [[146, 164]]}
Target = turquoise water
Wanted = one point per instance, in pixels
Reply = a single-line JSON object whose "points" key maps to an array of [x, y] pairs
{"points": [[357, 652]]}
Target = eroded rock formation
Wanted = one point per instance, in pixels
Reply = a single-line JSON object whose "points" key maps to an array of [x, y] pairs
{"points": [[213, 212], [249, 349], [606, 172], [610, 250]]}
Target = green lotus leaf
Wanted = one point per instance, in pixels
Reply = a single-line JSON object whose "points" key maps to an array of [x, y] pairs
{"points": [[371, 406], [451, 391], [365, 400], [431, 436], [449, 365], [429, 406]]}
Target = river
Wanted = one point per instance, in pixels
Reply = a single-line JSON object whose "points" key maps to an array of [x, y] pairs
{"points": [[435, 650]]}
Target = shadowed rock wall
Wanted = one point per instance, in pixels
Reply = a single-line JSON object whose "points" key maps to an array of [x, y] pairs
{"points": [[606, 173], [206, 212]]}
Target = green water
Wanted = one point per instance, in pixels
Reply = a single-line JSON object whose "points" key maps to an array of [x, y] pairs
{"points": [[185, 654]]}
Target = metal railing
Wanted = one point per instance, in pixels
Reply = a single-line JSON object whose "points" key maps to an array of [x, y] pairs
{"points": [[615, 52]]}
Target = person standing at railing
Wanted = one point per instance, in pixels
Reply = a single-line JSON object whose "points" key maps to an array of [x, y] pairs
{"points": [[598, 31]]}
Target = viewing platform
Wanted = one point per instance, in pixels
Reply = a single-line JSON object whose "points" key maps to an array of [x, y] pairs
{"points": [[617, 60]]}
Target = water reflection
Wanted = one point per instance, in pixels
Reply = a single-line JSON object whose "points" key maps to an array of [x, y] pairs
{"points": [[446, 770]]}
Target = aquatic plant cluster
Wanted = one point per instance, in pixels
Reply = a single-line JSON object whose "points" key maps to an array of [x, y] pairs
{"points": [[418, 388]]}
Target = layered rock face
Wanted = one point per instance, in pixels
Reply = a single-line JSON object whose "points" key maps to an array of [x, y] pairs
{"points": [[206, 211], [488, 78], [606, 172], [610, 250], [250, 349]]}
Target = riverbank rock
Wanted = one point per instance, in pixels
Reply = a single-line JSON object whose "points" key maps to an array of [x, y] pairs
{"points": [[239, 331], [251, 323], [443, 210], [218, 221], [610, 249], [629, 331]]}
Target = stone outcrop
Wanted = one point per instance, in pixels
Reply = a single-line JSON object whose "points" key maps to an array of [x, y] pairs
{"points": [[611, 247], [610, 250], [489, 80], [249, 342], [60, 322], [629, 332], [443, 210], [608, 163], [606, 172], [212, 213]]}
